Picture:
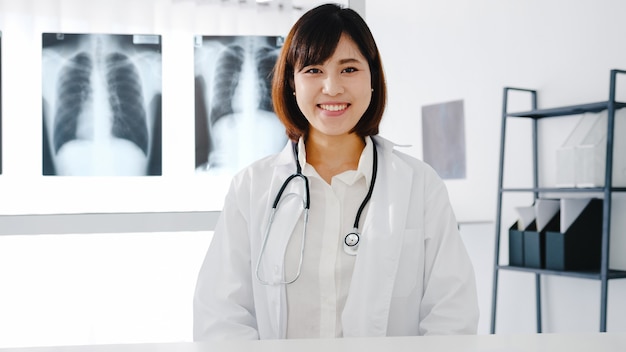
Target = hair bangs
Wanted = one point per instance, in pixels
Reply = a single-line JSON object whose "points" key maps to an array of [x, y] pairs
{"points": [[315, 45]]}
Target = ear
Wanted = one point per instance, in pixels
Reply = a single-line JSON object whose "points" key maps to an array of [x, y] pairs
{"points": [[291, 82]]}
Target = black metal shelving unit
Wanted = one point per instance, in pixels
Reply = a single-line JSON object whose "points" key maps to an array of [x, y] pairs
{"points": [[605, 274]]}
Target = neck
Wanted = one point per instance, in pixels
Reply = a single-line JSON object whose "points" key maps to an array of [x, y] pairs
{"points": [[333, 155]]}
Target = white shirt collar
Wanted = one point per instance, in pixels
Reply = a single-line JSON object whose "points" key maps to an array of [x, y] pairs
{"points": [[363, 170]]}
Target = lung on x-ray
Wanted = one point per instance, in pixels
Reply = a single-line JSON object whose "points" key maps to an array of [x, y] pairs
{"points": [[235, 122], [101, 104]]}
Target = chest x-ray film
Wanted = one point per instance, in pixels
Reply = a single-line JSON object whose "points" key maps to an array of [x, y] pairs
{"points": [[101, 104], [235, 122], [0, 103]]}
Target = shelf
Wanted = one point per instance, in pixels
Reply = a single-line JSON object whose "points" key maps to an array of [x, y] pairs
{"points": [[612, 274], [611, 106], [567, 110], [563, 190]]}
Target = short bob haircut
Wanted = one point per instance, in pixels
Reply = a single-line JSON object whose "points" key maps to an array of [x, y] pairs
{"points": [[313, 40]]}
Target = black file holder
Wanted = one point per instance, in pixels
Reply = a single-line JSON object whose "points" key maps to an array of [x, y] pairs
{"points": [[535, 243], [579, 247], [516, 245]]}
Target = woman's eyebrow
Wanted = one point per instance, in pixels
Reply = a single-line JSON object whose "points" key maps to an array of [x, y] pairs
{"points": [[349, 61]]}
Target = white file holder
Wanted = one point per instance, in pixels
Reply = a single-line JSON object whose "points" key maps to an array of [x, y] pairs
{"points": [[566, 154], [590, 154], [619, 149]]}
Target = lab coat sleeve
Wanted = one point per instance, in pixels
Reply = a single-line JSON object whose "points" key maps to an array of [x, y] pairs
{"points": [[449, 301], [223, 305]]}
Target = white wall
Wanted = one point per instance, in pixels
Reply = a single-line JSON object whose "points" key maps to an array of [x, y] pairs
{"points": [[81, 289], [438, 51]]}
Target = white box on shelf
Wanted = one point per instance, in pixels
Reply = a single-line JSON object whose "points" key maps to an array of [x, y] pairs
{"points": [[566, 154], [619, 149], [590, 154]]}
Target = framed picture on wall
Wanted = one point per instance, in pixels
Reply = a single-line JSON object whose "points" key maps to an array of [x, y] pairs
{"points": [[443, 139], [235, 122], [101, 104]]}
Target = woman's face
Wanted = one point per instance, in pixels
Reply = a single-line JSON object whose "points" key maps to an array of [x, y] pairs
{"points": [[335, 94]]}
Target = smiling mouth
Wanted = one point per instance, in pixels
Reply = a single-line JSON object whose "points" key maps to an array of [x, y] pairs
{"points": [[333, 107]]}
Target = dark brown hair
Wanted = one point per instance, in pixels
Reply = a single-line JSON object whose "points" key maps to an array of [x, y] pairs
{"points": [[311, 41]]}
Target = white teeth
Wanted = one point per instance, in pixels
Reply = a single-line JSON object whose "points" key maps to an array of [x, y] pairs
{"points": [[334, 107]]}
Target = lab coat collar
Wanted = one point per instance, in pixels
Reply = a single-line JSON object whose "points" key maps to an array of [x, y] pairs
{"points": [[286, 157]]}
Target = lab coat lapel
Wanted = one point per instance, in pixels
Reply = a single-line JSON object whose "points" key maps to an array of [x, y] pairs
{"points": [[272, 264], [366, 311], [287, 215], [289, 211]]}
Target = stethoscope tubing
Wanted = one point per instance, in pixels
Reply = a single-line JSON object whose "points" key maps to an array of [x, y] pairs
{"points": [[264, 244], [370, 190], [306, 205]]}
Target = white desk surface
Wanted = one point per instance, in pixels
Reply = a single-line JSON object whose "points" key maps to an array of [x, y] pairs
{"points": [[583, 342]]}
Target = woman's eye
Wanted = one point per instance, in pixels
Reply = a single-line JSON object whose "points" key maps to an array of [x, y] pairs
{"points": [[349, 70], [313, 70]]}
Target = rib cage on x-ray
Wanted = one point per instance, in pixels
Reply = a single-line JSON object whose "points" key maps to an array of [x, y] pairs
{"points": [[101, 109], [235, 122], [265, 60], [227, 76]]}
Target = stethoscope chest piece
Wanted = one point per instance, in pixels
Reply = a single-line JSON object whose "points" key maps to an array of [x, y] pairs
{"points": [[351, 243]]}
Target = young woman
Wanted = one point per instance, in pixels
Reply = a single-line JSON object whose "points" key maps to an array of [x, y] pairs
{"points": [[339, 234]]}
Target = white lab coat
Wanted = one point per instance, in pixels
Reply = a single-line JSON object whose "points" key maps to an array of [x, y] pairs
{"points": [[412, 274]]}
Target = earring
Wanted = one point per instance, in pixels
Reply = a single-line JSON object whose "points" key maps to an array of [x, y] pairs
{"points": [[372, 90], [294, 93]]}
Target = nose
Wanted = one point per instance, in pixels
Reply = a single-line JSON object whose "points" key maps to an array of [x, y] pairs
{"points": [[332, 85]]}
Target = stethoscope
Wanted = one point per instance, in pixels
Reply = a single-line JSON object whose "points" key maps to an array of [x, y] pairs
{"points": [[350, 241]]}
